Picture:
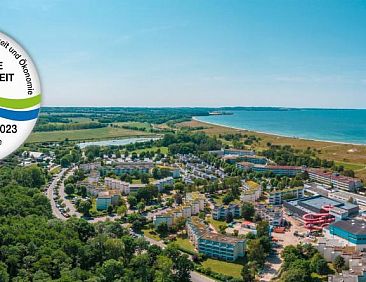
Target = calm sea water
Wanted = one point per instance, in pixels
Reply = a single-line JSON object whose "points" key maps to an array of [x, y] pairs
{"points": [[348, 126]]}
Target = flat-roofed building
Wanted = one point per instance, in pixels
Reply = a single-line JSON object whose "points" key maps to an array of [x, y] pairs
{"points": [[128, 167], [316, 204], [90, 166], [252, 191], [161, 183], [220, 212], [348, 197], [254, 159], [276, 197], [134, 187], [353, 231], [196, 197], [163, 218], [212, 244], [278, 170], [273, 215], [106, 199], [234, 152], [245, 166], [335, 180], [122, 186]]}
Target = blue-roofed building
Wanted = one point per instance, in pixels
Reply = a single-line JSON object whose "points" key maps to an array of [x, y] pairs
{"points": [[352, 231]]}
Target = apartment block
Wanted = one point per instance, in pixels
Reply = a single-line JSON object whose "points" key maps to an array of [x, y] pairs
{"points": [[277, 197], [122, 186], [220, 212], [335, 180], [252, 191], [214, 245]]}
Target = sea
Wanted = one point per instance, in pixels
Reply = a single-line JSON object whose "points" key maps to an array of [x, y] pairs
{"points": [[342, 126]]}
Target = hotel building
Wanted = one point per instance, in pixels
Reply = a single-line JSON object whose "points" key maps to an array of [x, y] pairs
{"points": [[335, 180], [214, 245], [278, 170]]}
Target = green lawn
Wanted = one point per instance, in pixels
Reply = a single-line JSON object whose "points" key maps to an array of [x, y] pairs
{"points": [[185, 244], [55, 170], [84, 134], [216, 223], [218, 199], [135, 124], [227, 268], [163, 150], [151, 233], [352, 166]]}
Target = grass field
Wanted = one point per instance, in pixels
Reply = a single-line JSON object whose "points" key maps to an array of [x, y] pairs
{"points": [[227, 268], [163, 150], [84, 134], [347, 154], [216, 223], [218, 199], [150, 233], [135, 124], [185, 244]]}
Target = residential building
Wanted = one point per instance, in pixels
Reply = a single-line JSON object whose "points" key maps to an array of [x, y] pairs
{"points": [[186, 211], [234, 152], [278, 170], [175, 171], [163, 218], [252, 191], [348, 197], [276, 197], [134, 187], [129, 167], [196, 197], [93, 177], [254, 159], [273, 215], [161, 183], [107, 198], [212, 244], [220, 212], [355, 260], [122, 186], [90, 166], [335, 180], [245, 166]]}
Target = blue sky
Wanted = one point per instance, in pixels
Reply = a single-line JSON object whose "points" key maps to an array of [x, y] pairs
{"points": [[195, 53]]}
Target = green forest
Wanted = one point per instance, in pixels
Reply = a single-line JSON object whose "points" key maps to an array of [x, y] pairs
{"points": [[36, 247]]}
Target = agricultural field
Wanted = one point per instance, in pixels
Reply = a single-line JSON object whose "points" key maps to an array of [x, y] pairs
{"points": [[85, 134]]}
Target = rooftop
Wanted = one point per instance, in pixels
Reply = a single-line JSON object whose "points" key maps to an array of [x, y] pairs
{"points": [[221, 238], [357, 227]]}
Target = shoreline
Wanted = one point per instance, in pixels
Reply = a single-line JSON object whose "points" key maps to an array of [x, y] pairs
{"points": [[279, 135]]}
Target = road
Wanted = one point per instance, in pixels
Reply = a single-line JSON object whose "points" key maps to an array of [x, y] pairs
{"points": [[50, 194], [70, 206]]}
